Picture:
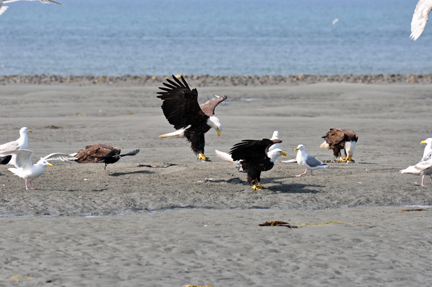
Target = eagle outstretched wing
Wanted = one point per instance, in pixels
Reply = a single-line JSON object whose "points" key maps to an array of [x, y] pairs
{"points": [[209, 107], [180, 103], [251, 148]]}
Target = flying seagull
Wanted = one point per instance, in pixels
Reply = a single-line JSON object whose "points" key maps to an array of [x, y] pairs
{"points": [[420, 18], [24, 167], [307, 161], [4, 8], [181, 109]]}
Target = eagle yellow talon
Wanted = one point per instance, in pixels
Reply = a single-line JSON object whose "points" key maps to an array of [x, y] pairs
{"points": [[203, 157], [256, 187], [342, 159], [259, 185], [349, 158]]}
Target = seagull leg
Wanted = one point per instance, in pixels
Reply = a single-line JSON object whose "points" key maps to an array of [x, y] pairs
{"points": [[31, 185], [311, 173], [299, 175], [423, 180], [26, 184]]}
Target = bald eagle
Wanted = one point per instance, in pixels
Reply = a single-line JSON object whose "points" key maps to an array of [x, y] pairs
{"points": [[180, 107], [101, 153], [253, 157], [337, 139]]}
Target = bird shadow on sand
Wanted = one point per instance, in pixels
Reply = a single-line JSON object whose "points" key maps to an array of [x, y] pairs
{"points": [[132, 172], [290, 187]]}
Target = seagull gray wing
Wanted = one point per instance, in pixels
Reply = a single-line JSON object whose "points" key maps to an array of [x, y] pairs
{"points": [[420, 18], [10, 146], [59, 156], [23, 158], [313, 161]]}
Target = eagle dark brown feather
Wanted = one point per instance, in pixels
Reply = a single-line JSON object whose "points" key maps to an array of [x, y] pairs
{"points": [[252, 155], [90, 153], [180, 103], [336, 138]]}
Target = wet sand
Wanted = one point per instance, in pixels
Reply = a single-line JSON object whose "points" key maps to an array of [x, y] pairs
{"points": [[188, 222]]}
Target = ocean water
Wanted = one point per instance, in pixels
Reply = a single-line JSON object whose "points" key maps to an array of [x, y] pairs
{"points": [[245, 37]]}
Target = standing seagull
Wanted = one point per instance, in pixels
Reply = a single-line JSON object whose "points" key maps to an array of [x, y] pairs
{"points": [[423, 168], [308, 161], [427, 150], [21, 143], [180, 107], [420, 18], [4, 8], [27, 170]]}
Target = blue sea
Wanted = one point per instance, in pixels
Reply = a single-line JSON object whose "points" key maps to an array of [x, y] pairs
{"points": [[220, 37]]}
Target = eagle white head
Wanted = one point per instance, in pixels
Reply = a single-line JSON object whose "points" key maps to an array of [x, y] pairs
{"points": [[215, 123]]}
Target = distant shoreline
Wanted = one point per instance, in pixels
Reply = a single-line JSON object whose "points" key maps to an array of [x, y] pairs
{"points": [[208, 80]]}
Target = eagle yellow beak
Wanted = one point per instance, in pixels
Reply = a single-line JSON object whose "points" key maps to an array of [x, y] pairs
{"points": [[30, 131], [218, 132], [296, 148], [423, 142], [283, 153], [49, 164]]}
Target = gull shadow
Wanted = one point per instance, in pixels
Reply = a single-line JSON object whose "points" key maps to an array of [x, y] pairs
{"points": [[294, 188], [132, 172]]}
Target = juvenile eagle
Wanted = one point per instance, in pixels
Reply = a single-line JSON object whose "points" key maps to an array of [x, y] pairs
{"points": [[337, 139], [101, 153], [181, 109], [253, 157]]}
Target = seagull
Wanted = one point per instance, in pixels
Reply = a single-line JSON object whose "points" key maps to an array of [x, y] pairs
{"points": [[308, 161], [423, 168], [21, 143], [24, 167], [4, 8], [420, 18], [275, 136], [427, 150]]}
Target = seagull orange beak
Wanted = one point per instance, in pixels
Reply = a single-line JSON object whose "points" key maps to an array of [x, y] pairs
{"points": [[218, 132], [296, 148], [423, 142], [283, 153], [49, 164], [30, 131]]}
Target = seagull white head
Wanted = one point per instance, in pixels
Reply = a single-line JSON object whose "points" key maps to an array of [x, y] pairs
{"points": [[25, 130], [215, 123], [44, 162], [300, 147]]}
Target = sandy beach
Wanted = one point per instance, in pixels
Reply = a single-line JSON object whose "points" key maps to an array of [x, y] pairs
{"points": [[177, 221]]}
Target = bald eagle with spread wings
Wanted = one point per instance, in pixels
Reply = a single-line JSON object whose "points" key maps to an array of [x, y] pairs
{"points": [[181, 109], [338, 139], [253, 157]]}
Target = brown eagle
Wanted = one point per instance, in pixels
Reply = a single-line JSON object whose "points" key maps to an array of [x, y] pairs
{"points": [[338, 139], [101, 153], [253, 157], [181, 109]]}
